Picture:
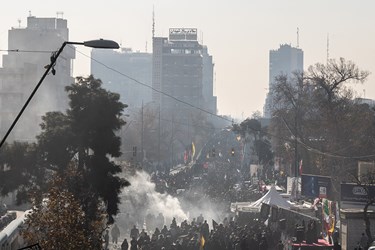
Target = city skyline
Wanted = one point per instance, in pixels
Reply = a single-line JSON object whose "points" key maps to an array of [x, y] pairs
{"points": [[239, 36]]}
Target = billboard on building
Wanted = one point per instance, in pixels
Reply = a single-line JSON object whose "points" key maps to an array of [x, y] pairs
{"points": [[316, 186], [353, 192], [183, 34]]}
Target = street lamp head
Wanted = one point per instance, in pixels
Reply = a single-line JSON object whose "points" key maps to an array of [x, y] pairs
{"points": [[102, 44]]}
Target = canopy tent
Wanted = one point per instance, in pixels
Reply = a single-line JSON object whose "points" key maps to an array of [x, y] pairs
{"points": [[272, 197]]}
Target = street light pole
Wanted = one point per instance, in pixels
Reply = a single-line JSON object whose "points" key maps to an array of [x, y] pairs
{"points": [[101, 44]]}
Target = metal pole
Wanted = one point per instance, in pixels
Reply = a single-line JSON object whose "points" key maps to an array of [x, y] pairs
{"points": [[295, 148], [142, 134], [159, 138]]}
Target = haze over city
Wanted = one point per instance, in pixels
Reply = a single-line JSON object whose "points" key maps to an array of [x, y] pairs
{"points": [[238, 34]]}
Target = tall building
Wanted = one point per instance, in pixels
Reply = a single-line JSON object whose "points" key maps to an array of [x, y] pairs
{"points": [[30, 49], [182, 70], [182, 75], [210, 101], [285, 60], [137, 65]]}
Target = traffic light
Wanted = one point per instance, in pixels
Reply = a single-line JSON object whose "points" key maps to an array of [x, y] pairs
{"points": [[232, 152], [135, 151]]}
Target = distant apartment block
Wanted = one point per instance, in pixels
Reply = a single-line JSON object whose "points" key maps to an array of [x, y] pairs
{"points": [[183, 69], [286, 60], [30, 49], [128, 65]]}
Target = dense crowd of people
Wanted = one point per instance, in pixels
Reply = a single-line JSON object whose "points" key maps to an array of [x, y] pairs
{"points": [[217, 179], [228, 235]]}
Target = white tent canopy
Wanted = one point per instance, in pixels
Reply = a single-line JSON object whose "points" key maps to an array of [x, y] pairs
{"points": [[272, 197]]}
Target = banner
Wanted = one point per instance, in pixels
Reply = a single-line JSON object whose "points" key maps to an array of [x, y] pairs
{"points": [[316, 186], [352, 192]]}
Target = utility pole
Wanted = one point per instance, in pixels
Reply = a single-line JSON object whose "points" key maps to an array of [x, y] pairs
{"points": [[159, 138], [295, 147], [172, 139], [142, 134]]}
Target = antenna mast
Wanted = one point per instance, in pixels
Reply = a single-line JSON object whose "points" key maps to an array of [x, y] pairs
{"points": [[153, 22], [297, 37], [327, 47]]}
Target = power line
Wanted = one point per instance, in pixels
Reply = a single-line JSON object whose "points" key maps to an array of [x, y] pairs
{"points": [[317, 151], [150, 87], [182, 123], [221, 117], [26, 51]]}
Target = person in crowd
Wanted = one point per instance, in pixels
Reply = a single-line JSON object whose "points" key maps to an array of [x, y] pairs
{"points": [[205, 229], [336, 246], [160, 220], [115, 233], [280, 245], [142, 233], [133, 244], [363, 241], [164, 230], [200, 219], [134, 232], [125, 245], [106, 239]]}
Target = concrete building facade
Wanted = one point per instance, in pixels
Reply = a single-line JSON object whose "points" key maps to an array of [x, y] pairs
{"points": [[286, 60], [30, 49], [183, 70], [130, 66]]}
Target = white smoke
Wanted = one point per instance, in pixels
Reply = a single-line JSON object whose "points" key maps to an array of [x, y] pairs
{"points": [[141, 198]]}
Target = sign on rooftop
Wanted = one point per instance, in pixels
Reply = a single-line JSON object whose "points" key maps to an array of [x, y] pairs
{"points": [[183, 34]]}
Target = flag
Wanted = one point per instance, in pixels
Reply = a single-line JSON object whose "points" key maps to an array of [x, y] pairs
{"points": [[192, 150], [185, 157], [201, 243], [300, 167], [214, 224]]}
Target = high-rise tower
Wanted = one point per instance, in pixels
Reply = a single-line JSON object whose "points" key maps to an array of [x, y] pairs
{"points": [[182, 75], [286, 60], [135, 64], [182, 68], [30, 50]]}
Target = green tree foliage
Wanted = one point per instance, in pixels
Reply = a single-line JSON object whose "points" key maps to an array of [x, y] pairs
{"points": [[256, 142], [57, 220], [86, 134], [18, 169]]}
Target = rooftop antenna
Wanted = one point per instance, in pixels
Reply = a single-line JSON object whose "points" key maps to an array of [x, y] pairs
{"points": [[146, 47], [19, 23], [60, 13], [297, 37], [30, 13], [327, 48], [153, 22]]}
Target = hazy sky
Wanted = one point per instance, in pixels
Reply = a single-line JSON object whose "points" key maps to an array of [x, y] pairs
{"points": [[238, 33]]}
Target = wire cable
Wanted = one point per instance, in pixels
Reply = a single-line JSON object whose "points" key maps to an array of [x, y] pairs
{"points": [[27, 51], [221, 117], [152, 88]]}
